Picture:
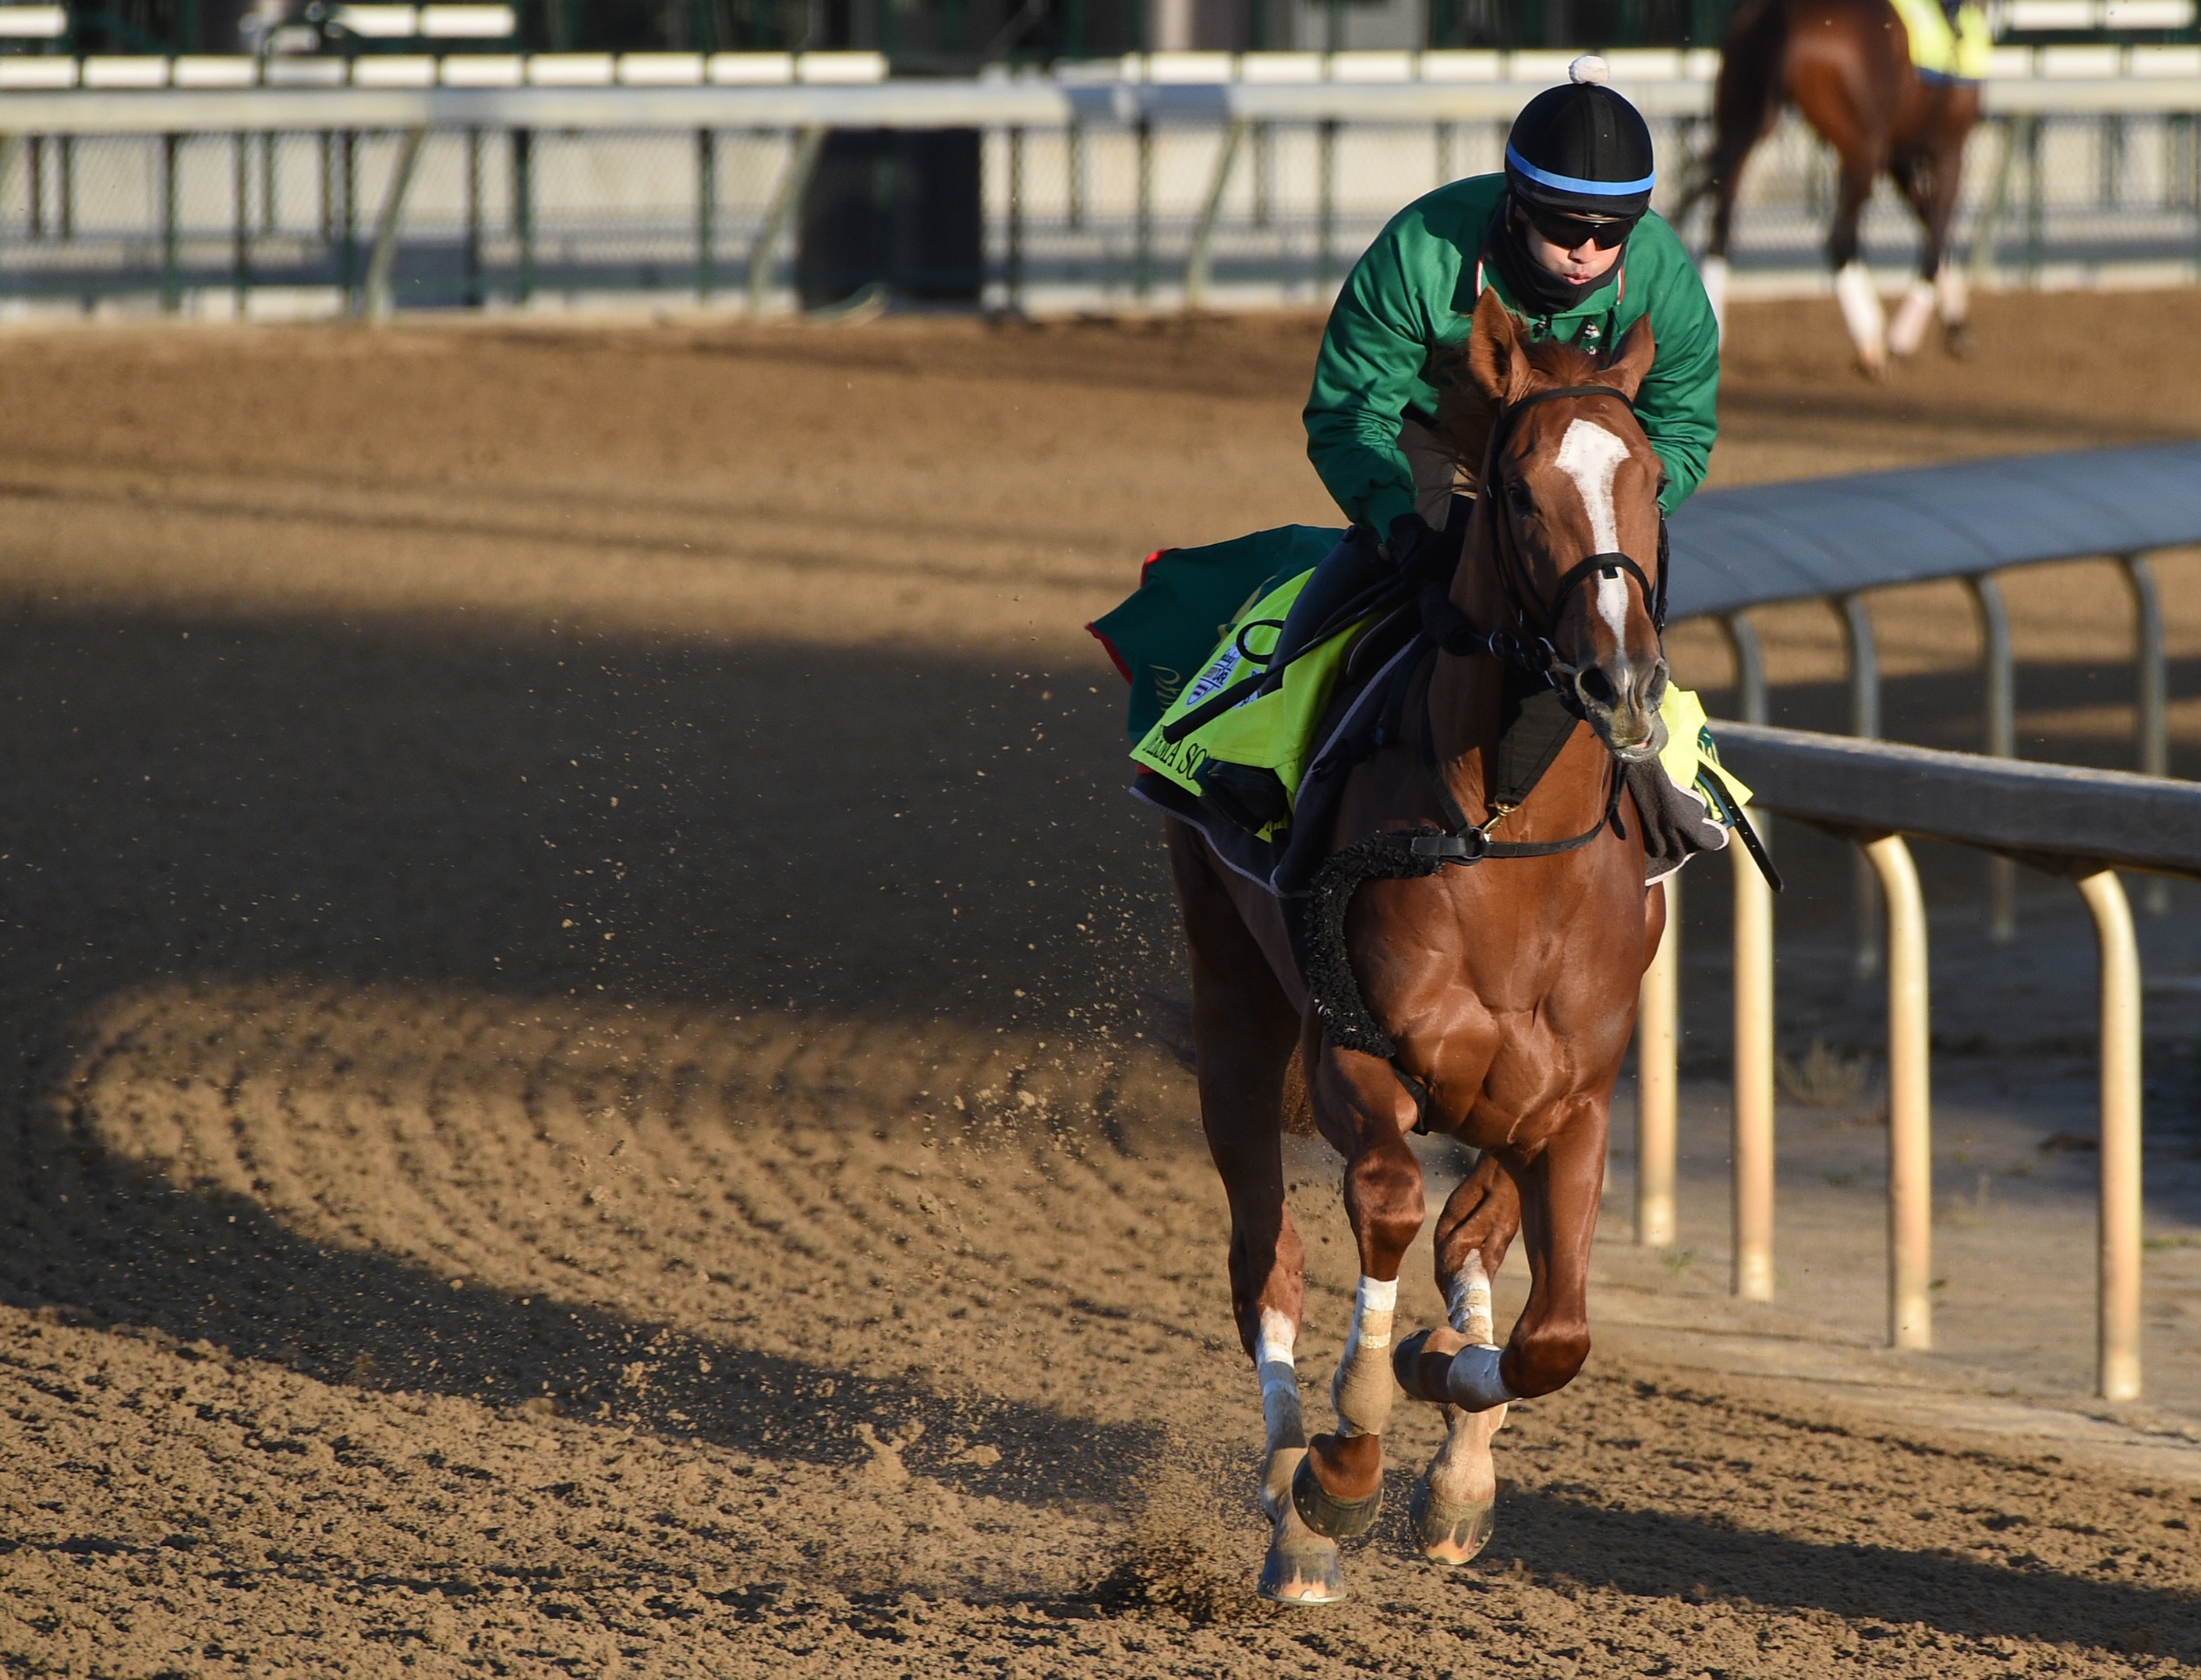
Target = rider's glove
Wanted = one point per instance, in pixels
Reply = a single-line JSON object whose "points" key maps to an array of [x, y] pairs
{"points": [[1415, 548]]}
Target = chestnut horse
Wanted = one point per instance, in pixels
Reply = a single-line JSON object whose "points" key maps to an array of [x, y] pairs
{"points": [[1845, 65], [1507, 989]]}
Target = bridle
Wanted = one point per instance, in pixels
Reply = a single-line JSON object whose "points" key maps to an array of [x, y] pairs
{"points": [[1526, 645]]}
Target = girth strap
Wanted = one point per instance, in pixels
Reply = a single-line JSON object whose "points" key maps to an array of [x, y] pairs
{"points": [[1463, 841]]}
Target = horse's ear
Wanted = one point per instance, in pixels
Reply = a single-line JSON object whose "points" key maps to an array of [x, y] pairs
{"points": [[1496, 357], [1631, 364]]}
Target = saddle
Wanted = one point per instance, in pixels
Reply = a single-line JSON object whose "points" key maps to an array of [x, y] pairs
{"points": [[1256, 759]]}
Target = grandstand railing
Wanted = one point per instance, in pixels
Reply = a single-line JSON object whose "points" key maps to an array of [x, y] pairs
{"points": [[219, 185]]}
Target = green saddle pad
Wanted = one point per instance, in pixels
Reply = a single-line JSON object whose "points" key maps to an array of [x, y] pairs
{"points": [[1187, 600]]}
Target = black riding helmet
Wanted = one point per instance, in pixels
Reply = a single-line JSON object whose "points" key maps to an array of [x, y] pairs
{"points": [[1580, 153]]}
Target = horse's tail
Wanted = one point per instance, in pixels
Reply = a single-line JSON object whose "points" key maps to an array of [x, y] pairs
{"points": [[1746, 99]]}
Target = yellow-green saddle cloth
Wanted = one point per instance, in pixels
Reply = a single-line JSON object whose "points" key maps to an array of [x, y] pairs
{"points": [[1277, 731]]}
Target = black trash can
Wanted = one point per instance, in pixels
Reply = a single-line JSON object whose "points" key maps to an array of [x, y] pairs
{"points": [[897, 206]]}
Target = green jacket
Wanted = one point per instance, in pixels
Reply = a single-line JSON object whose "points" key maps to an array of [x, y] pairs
{"points": [[1414, 291]]}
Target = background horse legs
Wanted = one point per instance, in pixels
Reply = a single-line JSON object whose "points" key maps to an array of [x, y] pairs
{"points": [[1745, 105], [1454, 1508], [1244, 1028], [1853, 287], [1928, 178]]}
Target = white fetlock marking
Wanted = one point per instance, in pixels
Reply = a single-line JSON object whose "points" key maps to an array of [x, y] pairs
{"points": [[1714, 273], [1913, 315], [1862, 314], [1280, 1381], [1467, 1303], [1473, 1381], [1361, 1391], [1953, 295]]}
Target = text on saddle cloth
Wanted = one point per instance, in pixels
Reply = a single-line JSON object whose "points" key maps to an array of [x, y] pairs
{"points": [[1266, 736]]}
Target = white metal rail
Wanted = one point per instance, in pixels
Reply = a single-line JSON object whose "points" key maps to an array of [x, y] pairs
{"points": [[2085, 824]]}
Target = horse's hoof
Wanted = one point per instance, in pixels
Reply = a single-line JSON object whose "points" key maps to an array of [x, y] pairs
{"points": [[1957, 338], [1875, 372], [1449, 1532], [1301, 1567], [1329, 1516], [1408, 1358]]}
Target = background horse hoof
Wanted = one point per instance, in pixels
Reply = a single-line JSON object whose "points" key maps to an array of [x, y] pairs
{"points": [[1448, 1532], [1327, 1515], [1301, 1567], [1957, 339]]}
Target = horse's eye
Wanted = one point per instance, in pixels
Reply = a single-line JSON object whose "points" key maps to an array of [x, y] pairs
{"points": [[1517, 493], [1661, 489]]}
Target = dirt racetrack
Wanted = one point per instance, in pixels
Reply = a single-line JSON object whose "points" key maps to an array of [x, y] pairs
{"points": [[598, 1081]]}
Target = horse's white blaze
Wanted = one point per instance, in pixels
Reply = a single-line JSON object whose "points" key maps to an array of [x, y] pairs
{"points": [[1591, 456], [1361, 1391], [1612, 607]]}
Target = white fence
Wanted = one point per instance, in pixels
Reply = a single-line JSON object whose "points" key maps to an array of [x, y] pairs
{"points": [[677, 176]]}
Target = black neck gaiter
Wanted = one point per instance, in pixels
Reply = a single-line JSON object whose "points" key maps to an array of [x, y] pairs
{"points": [[1544, 292]]}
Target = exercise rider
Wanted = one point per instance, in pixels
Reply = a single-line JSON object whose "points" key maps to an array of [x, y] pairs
{"points": [[1567, 238]]}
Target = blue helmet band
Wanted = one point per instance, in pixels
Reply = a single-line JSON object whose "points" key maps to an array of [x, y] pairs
{"points": [[1575, 183]]}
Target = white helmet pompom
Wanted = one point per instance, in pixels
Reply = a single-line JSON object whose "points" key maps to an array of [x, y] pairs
{"points": [[1589, 70]]}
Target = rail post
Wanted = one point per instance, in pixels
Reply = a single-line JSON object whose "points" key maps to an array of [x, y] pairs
{"points": [[1657, 1036], [1998, 679], [348, 261], [1753, 1078], [1199, 261], [1013, 279], [471, 257], [2153, 693], [240, 255], [1864, 722], [706, 212], [1753, 1120], [2117, 1366], [1143, 256], [786, 198], [1909, 1114], [382, 258], [522, 212], [172, 288], [1325, 213]]}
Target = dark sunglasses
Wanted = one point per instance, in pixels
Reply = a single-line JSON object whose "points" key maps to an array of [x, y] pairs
{"points": [[1571, 233]]}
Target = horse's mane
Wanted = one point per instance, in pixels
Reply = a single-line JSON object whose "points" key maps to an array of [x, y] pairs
{"points": [[1465, 414]]}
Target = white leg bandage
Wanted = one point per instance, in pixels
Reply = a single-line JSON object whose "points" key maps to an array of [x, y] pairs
{"points": [[1468, 1303], [1473, 1381], [1862, 314], [1949, 289], [1913, 315], [1361, 1391], [1280, 1381]]}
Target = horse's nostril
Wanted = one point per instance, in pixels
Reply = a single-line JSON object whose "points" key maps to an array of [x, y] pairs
{"points": [[1598, 688]]}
